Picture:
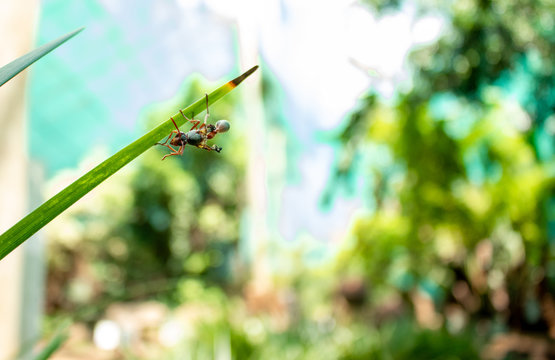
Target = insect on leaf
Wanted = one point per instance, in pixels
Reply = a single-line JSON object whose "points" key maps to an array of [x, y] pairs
{"points": [[42, 215]]}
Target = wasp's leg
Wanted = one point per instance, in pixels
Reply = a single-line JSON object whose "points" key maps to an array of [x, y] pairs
{"points": [[165, 144], [216, 148], [169, 147], [205, 147], [195, 122], [180, 152], [207, 110], [185, 117], [175, 152], [174, 124], [169, 137]]}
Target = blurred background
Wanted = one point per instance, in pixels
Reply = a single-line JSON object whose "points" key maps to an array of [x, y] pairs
{"points": [[386, 190]]}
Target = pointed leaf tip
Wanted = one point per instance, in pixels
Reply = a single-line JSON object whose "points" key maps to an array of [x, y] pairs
{"points": [[242, 77], [10, 70]]}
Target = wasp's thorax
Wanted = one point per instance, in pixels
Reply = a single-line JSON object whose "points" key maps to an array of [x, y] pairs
{"points": [[194, 137]]}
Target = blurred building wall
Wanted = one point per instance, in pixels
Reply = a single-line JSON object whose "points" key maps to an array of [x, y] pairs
{"points": [[257, 227], [17, 27]]}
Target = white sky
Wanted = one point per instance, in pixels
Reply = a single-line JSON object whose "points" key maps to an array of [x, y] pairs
{"points": [[312, 44]]}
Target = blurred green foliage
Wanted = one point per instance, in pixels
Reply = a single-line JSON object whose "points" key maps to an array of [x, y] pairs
{"points": [[153, 224], [459, 172]]}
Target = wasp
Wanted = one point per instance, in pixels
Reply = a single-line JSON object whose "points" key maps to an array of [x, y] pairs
{"points": [[195, 137]]}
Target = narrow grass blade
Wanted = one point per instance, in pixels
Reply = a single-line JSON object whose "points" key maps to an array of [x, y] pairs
{"points": [[65, 198], [10, 70], [53, 345]]}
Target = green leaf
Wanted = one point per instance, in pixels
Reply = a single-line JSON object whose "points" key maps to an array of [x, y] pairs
{"points": [[53, 345], [65, 198], [18, 65]]}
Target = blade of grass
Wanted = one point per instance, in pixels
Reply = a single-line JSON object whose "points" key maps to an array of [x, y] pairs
{"points": [[53, 345], [10, 70], [42, 215]]}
